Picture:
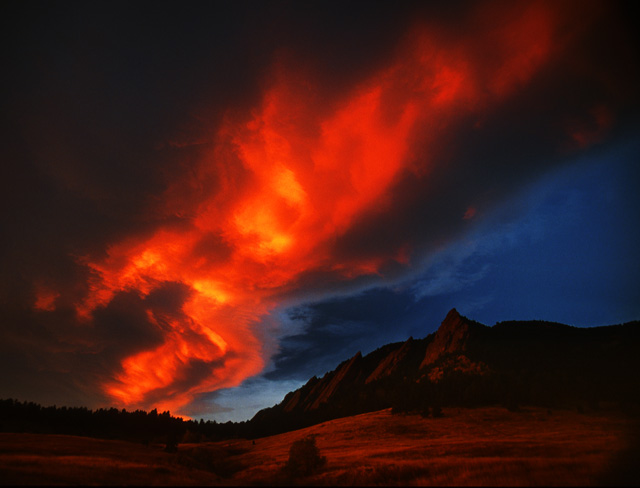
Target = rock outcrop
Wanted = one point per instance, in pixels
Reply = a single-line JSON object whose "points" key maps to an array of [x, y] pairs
{"points": [[391, 363], [451, 337], [319, 391]]}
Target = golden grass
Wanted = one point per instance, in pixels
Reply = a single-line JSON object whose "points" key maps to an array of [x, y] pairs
{"points": [[32, 459], [485, 446]]}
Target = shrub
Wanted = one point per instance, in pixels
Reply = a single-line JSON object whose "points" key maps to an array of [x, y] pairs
{"points": [[436, 411], [172, 443], [304, 458], [191, 437], [210, 458]]}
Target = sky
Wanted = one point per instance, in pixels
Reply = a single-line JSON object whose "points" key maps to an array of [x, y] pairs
{"points": [[206, 204]]}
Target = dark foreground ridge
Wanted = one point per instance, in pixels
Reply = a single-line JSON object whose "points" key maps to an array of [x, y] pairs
{"points": [[464, 363]]}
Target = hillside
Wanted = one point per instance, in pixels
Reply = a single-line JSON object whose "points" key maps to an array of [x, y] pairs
{"points": [[487, 446]]}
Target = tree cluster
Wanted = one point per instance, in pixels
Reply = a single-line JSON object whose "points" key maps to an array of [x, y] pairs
{"points": [[136, 426]]}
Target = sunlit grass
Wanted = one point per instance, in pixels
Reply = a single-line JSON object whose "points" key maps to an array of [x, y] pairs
{"points": [[486, 446]]}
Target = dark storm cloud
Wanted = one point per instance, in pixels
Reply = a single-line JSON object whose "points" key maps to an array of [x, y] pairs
{"points": [[335, 329], [41, 357], [123, 325], [54, 356]]}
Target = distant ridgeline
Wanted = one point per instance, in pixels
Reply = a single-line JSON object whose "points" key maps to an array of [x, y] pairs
{"points": [[464, 363]]}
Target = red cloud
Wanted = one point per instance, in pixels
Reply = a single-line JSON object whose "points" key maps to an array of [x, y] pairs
{"points": [[266, 203]]}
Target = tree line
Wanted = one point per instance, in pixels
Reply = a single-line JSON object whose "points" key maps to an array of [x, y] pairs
{"points": [[138, 426]]}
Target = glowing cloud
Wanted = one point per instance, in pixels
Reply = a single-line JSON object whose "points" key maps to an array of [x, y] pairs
{"points": [[265, 205]]}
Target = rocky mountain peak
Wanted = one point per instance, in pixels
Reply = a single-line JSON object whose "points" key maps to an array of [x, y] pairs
{"points": [[451, 336], [453, 317]]}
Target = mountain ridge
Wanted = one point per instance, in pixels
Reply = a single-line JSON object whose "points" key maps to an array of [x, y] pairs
{"points": [[465, 362]]}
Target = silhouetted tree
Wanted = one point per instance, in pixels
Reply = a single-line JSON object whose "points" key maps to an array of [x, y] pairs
{"points": [[304, 458]]}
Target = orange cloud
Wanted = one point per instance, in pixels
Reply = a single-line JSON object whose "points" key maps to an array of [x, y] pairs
{"points": [[266, 203]]}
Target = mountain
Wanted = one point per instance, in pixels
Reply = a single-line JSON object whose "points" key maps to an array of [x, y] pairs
{"points": [[466, 363]]}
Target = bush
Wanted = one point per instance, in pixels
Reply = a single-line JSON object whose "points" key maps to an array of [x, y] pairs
{"points": [[191, 437], [304, 458], [172, 443], [402, 405]]}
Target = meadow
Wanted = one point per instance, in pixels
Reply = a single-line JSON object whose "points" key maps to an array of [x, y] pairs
{"points": [[481, 446]]}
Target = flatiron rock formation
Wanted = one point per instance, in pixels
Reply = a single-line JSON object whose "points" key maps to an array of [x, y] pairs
{"points": [[466, 363]]}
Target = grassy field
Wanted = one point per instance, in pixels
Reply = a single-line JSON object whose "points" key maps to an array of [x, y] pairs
{"points": [[485, 446]]}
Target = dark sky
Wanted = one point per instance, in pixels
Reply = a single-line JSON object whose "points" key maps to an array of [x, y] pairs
{"points": [[206, 204]]}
